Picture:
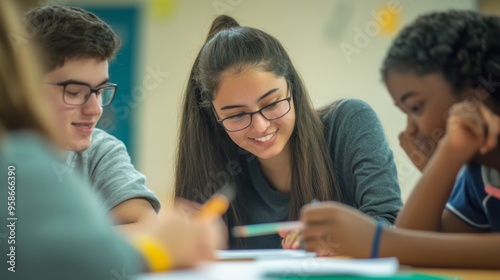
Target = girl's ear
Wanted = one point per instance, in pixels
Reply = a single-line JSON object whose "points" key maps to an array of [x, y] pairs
{"points": [[478, 93], [482, 93], [486, 97]]}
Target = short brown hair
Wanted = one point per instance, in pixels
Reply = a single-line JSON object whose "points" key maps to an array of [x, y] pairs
{"points": [[64, 33]]}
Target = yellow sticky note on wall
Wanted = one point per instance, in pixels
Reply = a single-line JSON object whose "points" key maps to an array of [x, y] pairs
{"points": [[389, 19], [161, 9]]}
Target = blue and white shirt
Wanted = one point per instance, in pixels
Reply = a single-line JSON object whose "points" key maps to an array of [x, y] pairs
{"points": [[475, 202]]}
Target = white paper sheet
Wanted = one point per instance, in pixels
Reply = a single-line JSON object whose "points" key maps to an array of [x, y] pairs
{"points": [[329, 266], [270, 269], [263, 254]]}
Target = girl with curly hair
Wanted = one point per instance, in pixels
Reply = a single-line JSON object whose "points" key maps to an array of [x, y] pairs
{"points": [[443, 72]]}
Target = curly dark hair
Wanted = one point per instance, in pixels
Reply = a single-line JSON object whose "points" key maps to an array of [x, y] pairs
{"points": [[63, 33], [464, 46]]}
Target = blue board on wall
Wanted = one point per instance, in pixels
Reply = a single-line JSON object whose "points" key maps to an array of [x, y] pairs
{"points": [[118, 117]]}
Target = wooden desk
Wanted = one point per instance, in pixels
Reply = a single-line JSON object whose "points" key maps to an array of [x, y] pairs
{"points": [[243, 270], [464, 274]]}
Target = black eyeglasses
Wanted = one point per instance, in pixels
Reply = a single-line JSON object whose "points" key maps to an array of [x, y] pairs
{"points": [[77, 94], [270, 112]]}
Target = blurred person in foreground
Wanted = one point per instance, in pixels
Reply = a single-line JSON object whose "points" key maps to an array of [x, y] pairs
{"points": [[53, 225]]}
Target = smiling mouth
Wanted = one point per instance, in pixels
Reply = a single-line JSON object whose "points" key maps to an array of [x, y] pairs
{"points": [[265, 138], [83, 125]]}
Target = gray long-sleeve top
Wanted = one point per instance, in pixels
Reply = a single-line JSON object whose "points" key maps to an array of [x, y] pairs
{"points": [[363, 162]]}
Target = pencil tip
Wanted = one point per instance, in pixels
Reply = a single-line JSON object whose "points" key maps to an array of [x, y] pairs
{"points": [[237, 231], [229, 191]]}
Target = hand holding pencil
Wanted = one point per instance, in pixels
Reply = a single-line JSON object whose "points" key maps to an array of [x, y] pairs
{"points": [[185, 235], [217, 205], [211, 212], [290, 231], [268, 228]]}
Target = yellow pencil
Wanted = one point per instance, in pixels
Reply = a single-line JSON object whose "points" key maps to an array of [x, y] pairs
{"points": [[217, 205]]}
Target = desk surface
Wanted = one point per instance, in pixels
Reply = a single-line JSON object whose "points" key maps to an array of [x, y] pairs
{"points": [[242, 271], [464, 274]]}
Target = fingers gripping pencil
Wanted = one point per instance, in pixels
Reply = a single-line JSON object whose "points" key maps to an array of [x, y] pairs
{"points": [[269, 228]]}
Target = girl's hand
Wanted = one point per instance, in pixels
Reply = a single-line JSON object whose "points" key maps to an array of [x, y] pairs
{"points": [[187, 209], [492, 121], [337, 229], [186, 242], [407, 141], [187, 239], [472, 128], [291, 239], [217, 230]]}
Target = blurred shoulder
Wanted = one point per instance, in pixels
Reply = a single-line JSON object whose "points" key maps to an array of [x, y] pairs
{"points": [[22, 145], [101, 136], [344, 108]]}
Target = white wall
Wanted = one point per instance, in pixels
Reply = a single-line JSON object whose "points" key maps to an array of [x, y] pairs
{"points": [[311, 31]]}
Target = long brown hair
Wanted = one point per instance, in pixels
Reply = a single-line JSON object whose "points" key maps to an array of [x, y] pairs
{"points": [[22, 105], [205, 151]]}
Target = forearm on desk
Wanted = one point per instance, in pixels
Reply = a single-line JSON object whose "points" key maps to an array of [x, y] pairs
{"points": [[424, 208], [134, 215], [430, 249]]}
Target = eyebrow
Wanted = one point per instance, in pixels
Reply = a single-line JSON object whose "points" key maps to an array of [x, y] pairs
{"points": [[85, 83], [260, 98]]}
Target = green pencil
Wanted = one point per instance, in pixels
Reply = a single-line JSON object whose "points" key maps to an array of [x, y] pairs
{"points": [[264, 229]]}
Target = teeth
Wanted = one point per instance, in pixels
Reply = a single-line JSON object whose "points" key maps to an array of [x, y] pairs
{"points": [[83, 125], [265, 138]]}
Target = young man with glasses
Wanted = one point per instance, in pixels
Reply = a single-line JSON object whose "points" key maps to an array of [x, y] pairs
{"points": [[77, 47]]}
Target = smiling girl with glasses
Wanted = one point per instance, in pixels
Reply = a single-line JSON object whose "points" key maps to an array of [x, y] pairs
{"points": [[247, 121]]}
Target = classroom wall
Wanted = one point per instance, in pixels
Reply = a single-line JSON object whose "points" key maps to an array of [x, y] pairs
{"points": [[337, 46], [489, 7]]}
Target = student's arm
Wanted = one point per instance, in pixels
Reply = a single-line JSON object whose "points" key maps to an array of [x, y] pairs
{"points": [[122, 188], [430, 249], [134, 215], [345, 231], [408, 142], [364, 161], [424, 208]]}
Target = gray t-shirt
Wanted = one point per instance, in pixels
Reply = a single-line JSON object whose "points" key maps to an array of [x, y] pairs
{"points": [[59, 231], [364, 165], [108, 167]]}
